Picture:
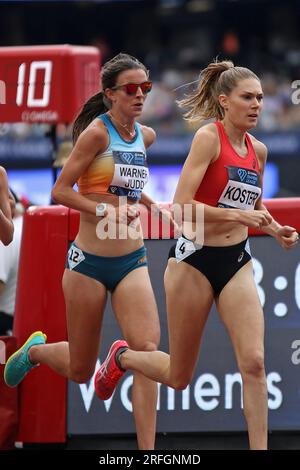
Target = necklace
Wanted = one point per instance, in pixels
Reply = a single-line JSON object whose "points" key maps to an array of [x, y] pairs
{"points": [[125, 126]]}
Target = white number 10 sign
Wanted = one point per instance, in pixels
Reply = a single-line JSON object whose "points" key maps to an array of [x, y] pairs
{"points": [[34, 67]]}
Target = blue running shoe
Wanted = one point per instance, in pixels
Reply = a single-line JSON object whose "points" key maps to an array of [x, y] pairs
{"points": [[18, 365]]}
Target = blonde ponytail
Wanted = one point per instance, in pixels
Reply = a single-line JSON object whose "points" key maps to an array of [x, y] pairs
{"points": [[217, 78]]}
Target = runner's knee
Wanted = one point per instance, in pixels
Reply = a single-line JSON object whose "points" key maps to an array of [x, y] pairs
{"points": [[144, 345], [80, 374], [179, 383], [253, 365]]}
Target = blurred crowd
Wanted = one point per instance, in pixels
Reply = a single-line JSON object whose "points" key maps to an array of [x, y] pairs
{"points": [[179, 38], [280, 112], [275, 58]]}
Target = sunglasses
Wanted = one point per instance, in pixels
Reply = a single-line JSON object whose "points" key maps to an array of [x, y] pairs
{"points": [[131, 88]]}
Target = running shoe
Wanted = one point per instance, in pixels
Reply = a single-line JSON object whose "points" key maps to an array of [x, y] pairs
{"points": [[110, 371], [18, 365]]}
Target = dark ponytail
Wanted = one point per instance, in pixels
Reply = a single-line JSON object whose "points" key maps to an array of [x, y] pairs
{"points": [[90, 110]]}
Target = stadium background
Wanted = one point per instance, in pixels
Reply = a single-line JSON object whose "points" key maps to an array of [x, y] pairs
{"points": [[175, 39]]}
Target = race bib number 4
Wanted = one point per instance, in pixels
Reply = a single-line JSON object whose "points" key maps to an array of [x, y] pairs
{"points": [[184, 248]]}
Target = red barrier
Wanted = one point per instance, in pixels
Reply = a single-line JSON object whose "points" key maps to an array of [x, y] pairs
{"points": [[40, 306], [285, 211]]}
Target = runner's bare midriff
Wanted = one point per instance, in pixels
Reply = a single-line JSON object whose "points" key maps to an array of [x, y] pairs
{"points": [[121, 242], [217, 234]]}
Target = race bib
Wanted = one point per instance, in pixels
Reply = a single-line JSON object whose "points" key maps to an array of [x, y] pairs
{"points": [[242, 189], [131, 174], [184, 248], [75, 256]]}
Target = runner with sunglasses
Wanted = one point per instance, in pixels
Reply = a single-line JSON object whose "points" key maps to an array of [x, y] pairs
{"points": [[108, 162]]}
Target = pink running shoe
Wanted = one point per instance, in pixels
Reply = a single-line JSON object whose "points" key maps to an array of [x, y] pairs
{"points": [[109, 373]]}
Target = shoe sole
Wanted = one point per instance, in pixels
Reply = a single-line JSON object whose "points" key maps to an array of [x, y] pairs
{"points": [[36, 333]]}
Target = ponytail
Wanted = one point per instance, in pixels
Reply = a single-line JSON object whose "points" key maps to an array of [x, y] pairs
{"points": [[218, 78], [204, 103], [96, 105]]}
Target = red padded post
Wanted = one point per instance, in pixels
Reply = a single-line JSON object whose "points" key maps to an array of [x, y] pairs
{"points": [[40, 306]]}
